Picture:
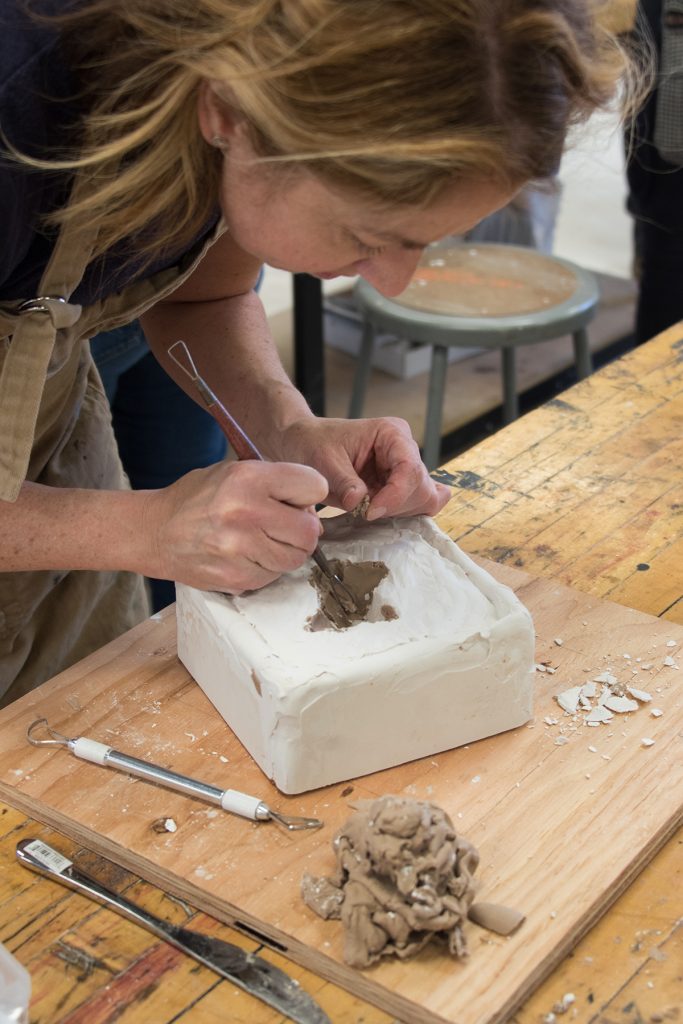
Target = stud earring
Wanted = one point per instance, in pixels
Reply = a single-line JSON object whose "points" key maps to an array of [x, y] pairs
{"points": [[219, 142]]}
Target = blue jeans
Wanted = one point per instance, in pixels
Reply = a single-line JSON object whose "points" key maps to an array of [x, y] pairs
{"points": [[161, 432], [659, 267]]}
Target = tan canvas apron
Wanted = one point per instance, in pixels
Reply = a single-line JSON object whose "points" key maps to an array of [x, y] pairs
{"points": [[55, 429]]}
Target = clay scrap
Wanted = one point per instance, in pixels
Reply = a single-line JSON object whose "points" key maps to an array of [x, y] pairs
{"points": [[403, 878], [360, 578]]}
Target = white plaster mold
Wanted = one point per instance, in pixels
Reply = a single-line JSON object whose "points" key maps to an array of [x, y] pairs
{"points": [[315, 708]]}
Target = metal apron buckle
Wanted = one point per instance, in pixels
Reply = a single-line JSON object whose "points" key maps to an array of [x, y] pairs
{"points": [[37, 305]]}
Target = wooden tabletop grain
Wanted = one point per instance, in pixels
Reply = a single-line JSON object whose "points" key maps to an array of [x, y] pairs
{"points": [[587, 490]]}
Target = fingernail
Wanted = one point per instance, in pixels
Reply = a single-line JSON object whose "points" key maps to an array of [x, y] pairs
{"points": [[376, 513]]}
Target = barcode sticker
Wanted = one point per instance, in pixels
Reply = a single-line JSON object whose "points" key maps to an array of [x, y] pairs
{"points": [[47, 856]]}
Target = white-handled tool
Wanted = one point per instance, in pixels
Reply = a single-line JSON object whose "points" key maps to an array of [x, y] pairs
{"points": [[229, 799]]}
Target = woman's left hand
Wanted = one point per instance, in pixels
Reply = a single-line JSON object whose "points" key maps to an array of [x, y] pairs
{"points": [[378, 457]]}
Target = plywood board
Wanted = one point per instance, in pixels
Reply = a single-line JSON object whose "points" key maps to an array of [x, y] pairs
{"points": [[562, 828]]}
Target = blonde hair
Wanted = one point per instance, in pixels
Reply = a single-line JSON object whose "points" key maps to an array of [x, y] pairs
{"points": [[392, 98]]}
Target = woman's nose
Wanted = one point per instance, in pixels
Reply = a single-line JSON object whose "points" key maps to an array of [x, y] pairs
{"points": [[390, 273]]}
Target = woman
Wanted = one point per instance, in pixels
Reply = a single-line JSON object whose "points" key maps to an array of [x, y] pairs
{"points": [[157, 153]]}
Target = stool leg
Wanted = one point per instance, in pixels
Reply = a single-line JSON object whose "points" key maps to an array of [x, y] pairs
{"points": [[431, 447], [510, 400], [363, 368], [582, 354]]}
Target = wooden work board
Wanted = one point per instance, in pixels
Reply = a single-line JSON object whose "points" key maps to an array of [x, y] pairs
{"points": [[562, 827]]}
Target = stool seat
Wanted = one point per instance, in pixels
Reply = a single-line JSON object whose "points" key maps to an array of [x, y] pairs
{"points": [[485, 296]]}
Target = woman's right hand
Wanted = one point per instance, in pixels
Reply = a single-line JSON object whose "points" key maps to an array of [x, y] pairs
{"points": [[234, 526]]}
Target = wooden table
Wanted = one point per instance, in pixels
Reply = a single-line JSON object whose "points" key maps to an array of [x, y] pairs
{"points": [[587, 489]]}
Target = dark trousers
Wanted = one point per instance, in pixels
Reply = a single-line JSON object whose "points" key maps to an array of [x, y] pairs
{"points": [[659, 267]]}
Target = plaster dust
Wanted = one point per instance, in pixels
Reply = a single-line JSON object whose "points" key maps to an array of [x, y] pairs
{"points": [[443, 657], [403, 879]]}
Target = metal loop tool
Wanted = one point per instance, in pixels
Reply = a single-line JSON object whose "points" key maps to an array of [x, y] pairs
{"points": [[230, 800], [245, 448]]}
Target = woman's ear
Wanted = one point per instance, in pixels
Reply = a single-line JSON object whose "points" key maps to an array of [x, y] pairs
{"points": [[217, 120]]}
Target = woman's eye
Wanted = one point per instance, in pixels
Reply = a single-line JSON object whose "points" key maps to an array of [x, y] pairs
{"points": [[364, 247], [369, 250]]}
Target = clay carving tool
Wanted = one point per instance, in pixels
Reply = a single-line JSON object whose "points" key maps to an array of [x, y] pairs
{"points": [[248, 971], [244, 448], [230, 800]]}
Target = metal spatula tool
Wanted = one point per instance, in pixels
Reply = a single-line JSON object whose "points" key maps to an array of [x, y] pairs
{"points": [[248, 971], [244, 448]]}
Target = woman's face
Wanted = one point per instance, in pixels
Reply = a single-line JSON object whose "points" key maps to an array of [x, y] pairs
{"points": [[292, 220]]}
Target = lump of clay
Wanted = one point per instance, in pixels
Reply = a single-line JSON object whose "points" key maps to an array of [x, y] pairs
{"points": [[360, 580], [404, 877], [341, 607]]}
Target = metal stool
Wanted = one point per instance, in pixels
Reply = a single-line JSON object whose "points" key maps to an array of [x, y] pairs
{"points": [[485, 296]]}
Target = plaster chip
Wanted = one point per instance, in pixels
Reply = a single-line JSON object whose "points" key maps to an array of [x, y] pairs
{"points": [[569, 699], [641, 695], [621, 705]]}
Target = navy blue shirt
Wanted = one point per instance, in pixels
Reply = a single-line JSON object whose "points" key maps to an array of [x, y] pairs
{"points": [[39, 115]]}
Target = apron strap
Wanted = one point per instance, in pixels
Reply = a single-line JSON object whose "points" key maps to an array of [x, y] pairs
{"points": [[27, 360]]}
